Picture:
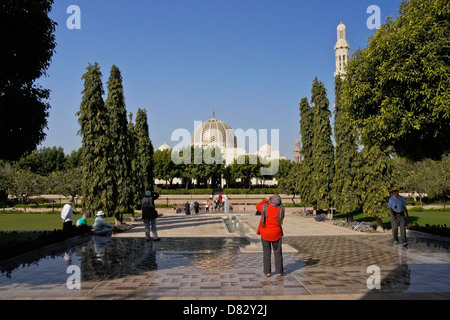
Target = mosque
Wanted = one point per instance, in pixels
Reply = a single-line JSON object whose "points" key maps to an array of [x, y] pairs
{"points": [[217, 133]]}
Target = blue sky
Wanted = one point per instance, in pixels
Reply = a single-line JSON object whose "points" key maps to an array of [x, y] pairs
{"points": [[250, 60]]}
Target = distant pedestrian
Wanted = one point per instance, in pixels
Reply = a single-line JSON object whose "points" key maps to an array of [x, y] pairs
{"points": [[149, 214], [271, 231], [217, 204], [67, 217], [196, 207], [207, 205], [399, 216], [187, 208]]}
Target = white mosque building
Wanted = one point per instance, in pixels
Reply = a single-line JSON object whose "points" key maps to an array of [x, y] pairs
{"points": [[217, 133]]}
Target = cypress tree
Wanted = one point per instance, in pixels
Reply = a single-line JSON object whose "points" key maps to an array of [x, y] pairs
{"points": [[346, 159], [93, 129], [144, 151], [322, 147], [306, 132], [136, 183], [119, 195]]}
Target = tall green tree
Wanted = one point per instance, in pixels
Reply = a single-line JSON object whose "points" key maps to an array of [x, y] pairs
{"points": [[397, 90], [144, 151], [136, 183], [26, 47], [322, 147], [305, 188], [376, 178], [94, 126], [346, 194], [118, 149], [291, 184]]}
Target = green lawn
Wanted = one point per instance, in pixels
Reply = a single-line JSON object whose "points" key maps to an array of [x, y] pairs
{"points": [[37, 221], [421, 217], [53, 221]]}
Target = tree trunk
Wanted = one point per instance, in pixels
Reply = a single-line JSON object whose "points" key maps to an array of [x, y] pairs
{"points": [[379, 225], [118, 219]]}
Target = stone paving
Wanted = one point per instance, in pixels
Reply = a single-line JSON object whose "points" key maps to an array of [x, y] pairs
{"points": [[199, 257]]}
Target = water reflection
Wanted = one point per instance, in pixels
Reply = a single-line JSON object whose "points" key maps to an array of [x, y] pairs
{"points": [[103, 257], [212, 266]]}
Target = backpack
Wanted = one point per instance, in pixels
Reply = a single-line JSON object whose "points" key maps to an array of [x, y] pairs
{"points": [[148, 209]]}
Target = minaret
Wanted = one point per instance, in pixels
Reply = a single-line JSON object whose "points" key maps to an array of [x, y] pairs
{"points": [[342, 49], [297, 149]]}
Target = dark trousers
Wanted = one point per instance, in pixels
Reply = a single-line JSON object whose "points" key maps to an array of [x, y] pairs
{"points": [[267, 253], [67, 226]]}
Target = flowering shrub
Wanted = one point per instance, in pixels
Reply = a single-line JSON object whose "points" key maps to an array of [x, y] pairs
{"points": [[355, 225], [320, 218]]}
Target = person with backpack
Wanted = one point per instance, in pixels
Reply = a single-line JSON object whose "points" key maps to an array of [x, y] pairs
{"points": [[271, 232], [149, 215]]}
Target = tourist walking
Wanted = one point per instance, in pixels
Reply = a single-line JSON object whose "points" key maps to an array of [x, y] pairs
{"points": [[67, 217], [149, 215], [399, 216], [271, 232], [207, 205]]}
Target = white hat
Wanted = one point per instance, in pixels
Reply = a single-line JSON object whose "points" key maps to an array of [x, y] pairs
{"points": [[100, 213]]}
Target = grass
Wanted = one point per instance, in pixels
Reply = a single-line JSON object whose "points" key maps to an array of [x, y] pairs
{"points": [[38, 221], [417, 215]]}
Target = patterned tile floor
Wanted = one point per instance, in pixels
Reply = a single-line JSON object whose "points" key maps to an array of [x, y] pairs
{"points": [[202, 267]]}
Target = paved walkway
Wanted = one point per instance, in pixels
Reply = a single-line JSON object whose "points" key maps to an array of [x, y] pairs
{"points": [[218, 257]]}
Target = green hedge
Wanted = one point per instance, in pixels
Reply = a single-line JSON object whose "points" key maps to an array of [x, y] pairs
{"points": [[44, 205], [210, 191], [28, 212]]}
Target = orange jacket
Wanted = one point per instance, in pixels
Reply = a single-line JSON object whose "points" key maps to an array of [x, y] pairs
{"points": [[272, 231]]}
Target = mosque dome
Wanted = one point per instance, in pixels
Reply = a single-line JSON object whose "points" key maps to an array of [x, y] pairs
{"points": [[165, 146], [214, 132]]}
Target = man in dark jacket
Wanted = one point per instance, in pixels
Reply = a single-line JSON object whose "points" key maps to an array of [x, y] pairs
{"points": [[187, 208], [196, 207], [149, 214]]}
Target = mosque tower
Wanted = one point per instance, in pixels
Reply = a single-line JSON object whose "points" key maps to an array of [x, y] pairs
{"points": [[342, 49], [297, 150]]}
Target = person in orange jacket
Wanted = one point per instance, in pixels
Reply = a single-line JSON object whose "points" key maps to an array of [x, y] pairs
{"points": [[271, 231]]}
